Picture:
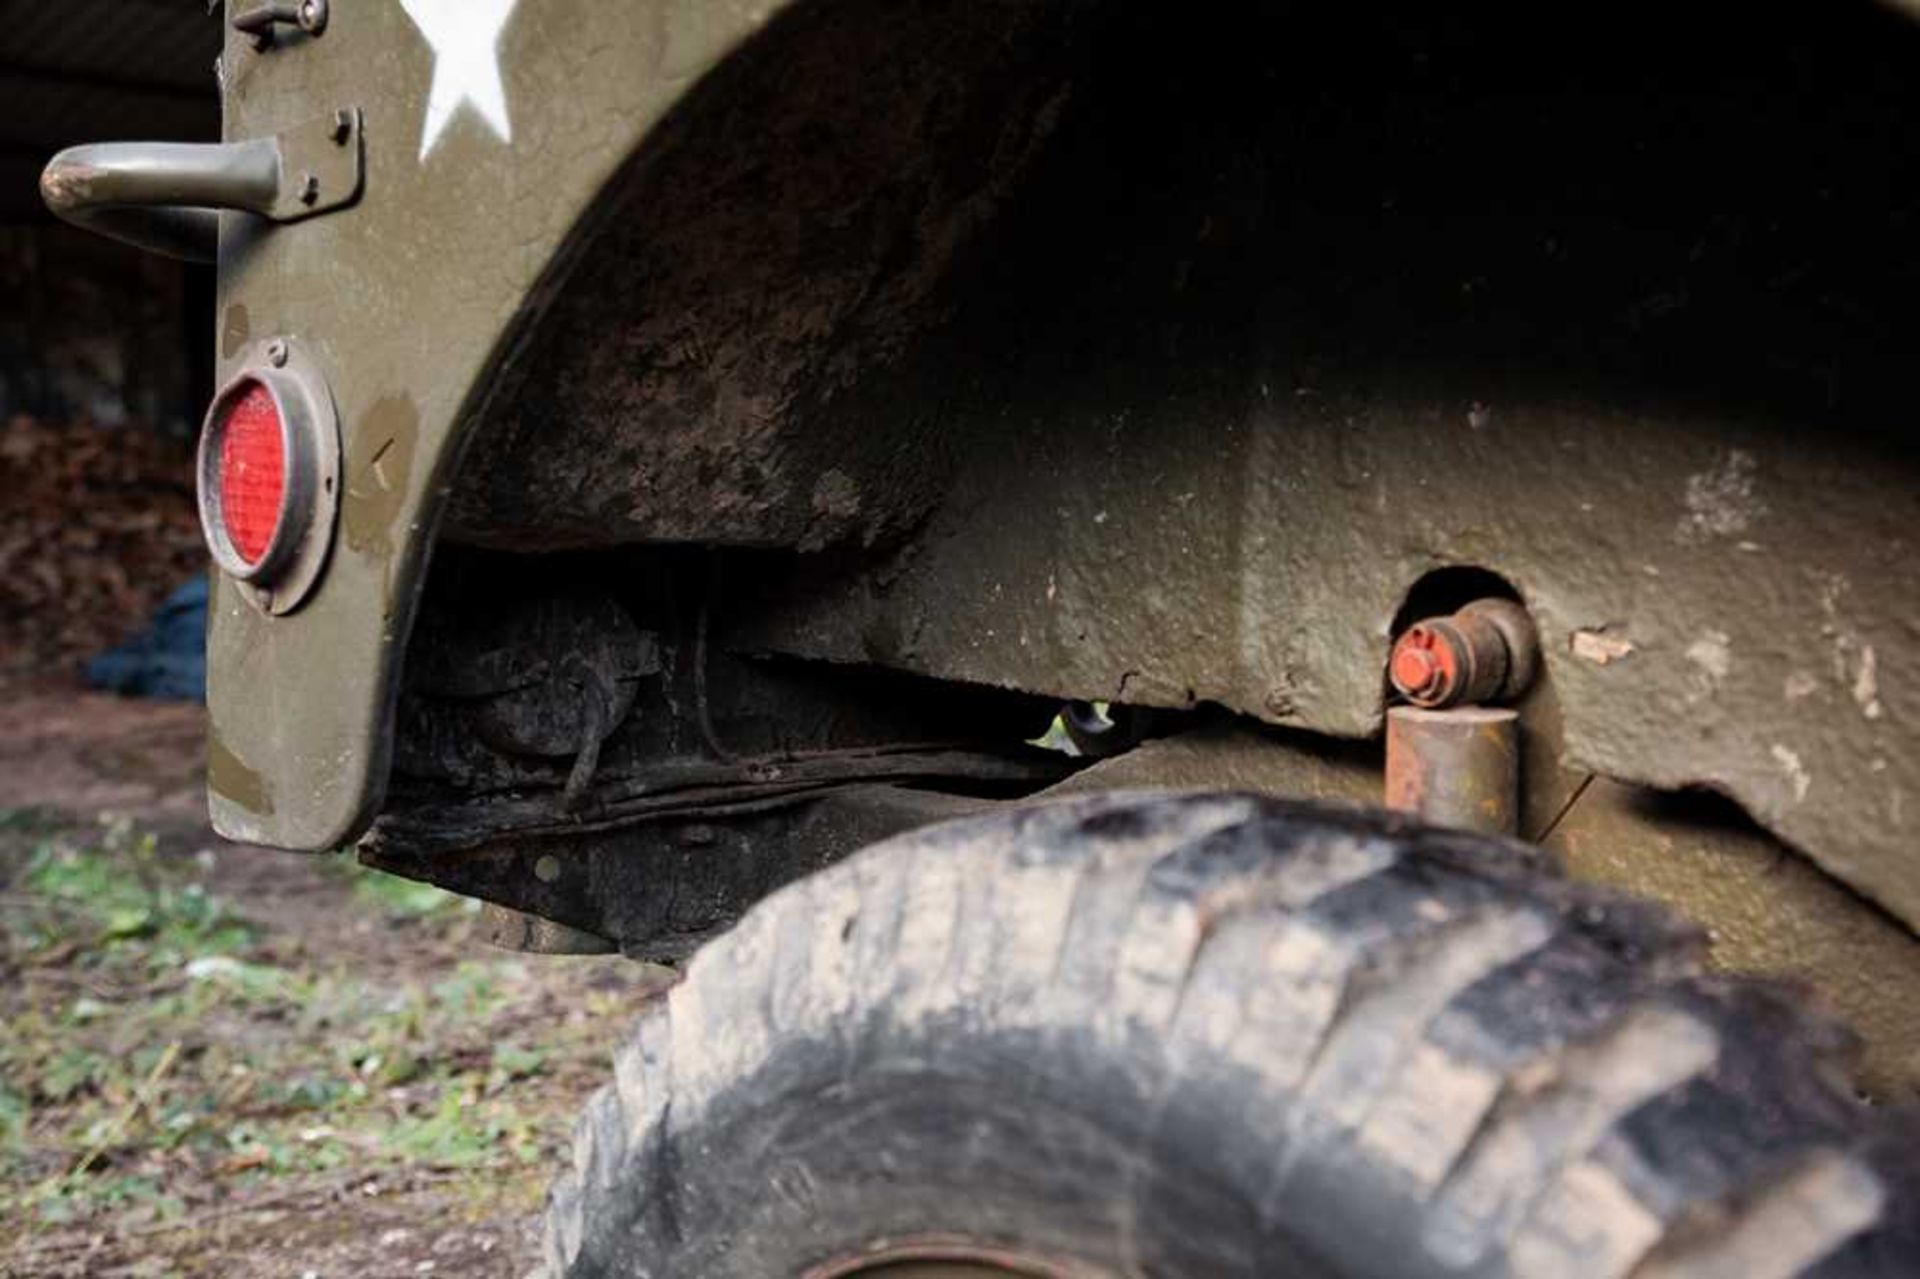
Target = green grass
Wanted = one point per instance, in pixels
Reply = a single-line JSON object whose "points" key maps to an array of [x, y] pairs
{"points": [[103, 898], [159, 1051]]}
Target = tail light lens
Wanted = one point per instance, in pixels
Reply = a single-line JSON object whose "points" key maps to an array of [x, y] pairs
{"points": [[269, 470], [252, 472]]}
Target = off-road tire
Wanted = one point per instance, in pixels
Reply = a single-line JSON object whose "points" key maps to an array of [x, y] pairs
{"points": [[1214, 1035]]}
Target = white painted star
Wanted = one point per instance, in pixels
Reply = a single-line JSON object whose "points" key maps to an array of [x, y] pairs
{"points": [[465, 35]]}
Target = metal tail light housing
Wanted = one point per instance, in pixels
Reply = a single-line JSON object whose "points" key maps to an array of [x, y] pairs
{"points": [[276, 572]]}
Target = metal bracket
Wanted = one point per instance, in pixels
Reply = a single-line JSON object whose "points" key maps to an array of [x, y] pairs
{"points": [[162, 196], [322, 166], [263, 21]]}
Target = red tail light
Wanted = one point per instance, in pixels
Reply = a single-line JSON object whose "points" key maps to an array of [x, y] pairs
{"points": [[253, 472], [269, 475]]}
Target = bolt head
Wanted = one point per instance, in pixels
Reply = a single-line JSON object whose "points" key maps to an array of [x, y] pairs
{"points": [[1424, 669], [1413, 668]]}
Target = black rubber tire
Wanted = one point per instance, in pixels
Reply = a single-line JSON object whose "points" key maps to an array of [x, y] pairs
{"points": [[1205, 1035]]}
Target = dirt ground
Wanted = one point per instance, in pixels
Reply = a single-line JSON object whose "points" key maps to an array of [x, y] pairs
{"points": [[220, 1060]]}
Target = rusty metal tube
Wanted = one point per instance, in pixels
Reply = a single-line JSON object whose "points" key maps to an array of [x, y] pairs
{"points": [[1456, 768], [161, 196]]}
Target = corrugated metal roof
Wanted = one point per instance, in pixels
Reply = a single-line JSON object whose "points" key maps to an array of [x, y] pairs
{"points": [[75, 71]]}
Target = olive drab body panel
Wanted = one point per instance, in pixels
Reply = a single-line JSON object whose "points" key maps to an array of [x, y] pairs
{"points": [[481, 157]]}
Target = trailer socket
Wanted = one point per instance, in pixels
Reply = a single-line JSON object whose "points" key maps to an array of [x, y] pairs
{"points": [[1486, 652]]}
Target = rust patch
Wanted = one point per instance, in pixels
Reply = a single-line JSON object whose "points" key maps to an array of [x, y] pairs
{"points": [[229, 777], [67, 186], [236, 329], [379, 464], [1599, 647]]}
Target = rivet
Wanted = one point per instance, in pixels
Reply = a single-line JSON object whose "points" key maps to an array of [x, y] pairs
{"points": [[313, 16], [547, 869]]}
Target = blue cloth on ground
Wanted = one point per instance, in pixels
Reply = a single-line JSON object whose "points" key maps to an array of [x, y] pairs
{"points": [[168, 660]]}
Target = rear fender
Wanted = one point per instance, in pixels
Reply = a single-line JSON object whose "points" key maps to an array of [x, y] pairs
{"points": [[413, 304]]}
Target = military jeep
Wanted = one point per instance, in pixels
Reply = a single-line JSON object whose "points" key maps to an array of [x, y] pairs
{"points": [[1239, 640]]}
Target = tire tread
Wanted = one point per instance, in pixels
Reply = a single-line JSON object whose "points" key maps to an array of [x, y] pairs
{"points": [[1446, 1012]]}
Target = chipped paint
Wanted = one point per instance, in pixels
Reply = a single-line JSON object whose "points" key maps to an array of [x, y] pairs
{"points": [[1866, 684], [236, 330], [1832, 587], [1721, 502], [1856, 665], [1599, 647], [1712, 653], [1795, 770], [68, 185], [379, 464]]}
